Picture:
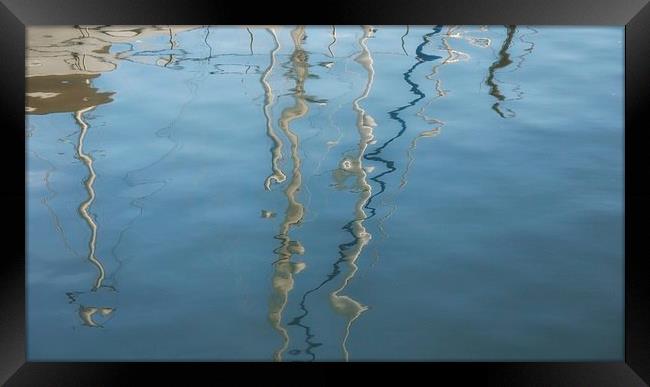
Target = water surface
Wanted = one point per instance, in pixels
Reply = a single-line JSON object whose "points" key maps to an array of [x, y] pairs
{"points": [[325, 193]]}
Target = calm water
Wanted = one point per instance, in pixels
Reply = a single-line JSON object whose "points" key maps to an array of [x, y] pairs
{"points": [[319, 193]]}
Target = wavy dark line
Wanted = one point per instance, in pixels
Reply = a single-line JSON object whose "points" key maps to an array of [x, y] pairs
{"points": [[394, 115], [503, 60]]}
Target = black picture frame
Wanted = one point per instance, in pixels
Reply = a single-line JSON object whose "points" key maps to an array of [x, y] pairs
{"points": [[633, 14]]}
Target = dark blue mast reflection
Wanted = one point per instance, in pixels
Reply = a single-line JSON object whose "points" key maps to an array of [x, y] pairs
{"points": [[375, 155]]}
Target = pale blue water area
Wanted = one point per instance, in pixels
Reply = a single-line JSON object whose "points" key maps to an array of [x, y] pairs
{"points": [[436, 193]]}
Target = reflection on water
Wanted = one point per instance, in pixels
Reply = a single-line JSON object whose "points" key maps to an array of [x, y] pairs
{"points": [[453, 56], [147, 147], [85, 205], [284, 268], [394, 114], [503, 61], [277, 175], [342, 304], [89, 314]]}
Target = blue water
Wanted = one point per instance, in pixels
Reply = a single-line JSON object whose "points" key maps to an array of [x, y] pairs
{"points": [[386, 193]]}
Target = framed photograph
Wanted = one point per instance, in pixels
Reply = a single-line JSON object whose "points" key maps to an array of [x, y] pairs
{"points": [[448, 187]]}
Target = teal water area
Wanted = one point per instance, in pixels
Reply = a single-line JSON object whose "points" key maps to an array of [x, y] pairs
{"points": [[327, 193]]}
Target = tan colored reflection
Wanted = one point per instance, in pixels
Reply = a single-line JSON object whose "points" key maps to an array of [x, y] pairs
{"points": [[344, 305], [284, 269], [64, 50], [62, 61], [63, 93], [85, 205], [277, 176], [89, 314]]}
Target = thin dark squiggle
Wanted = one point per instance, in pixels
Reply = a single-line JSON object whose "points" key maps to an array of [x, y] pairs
{"points": [[519, 94], [171, 47], [336, 270], [167, 133], [394, 115], [207, 33], [516, 89], [250, 45], [452, 57], [527, 51], [344, 305], [139, 201], [329, 48], [350, 252], [502, 61], [403, 36], [132, 182], [46, 199], [139, 204]]}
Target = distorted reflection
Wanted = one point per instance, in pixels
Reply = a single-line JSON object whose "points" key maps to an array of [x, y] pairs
{"points": [[331, 45], [351, 166], [453, 56], [83, 208], [277, 176], [92, 315], [376, 154], [52, 194], [204, 165], [284, 267], [344, 305], [503, 60]]}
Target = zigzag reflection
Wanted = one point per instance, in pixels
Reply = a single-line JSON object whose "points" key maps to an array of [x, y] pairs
{"points": [[502, 61], [375, 155], [283, 268], [345, 305], [277, 176], [350, 166], [87, 314]]}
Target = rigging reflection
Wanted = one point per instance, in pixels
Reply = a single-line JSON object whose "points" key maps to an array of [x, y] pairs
{"points": [[329, 48], [52, 194], [50, 95], [284, 268], [529, 49], [277, 176], [403, 36], [350, 167], [453, 56], [89, 312], [83, 208], [502, 61], [342, 304], [376, 154]]}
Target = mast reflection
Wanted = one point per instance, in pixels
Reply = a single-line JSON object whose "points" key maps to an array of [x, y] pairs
{"points": [[88, 313], [350, 166], [283, 268], [375, 155], [277, 176], [502, 62], [344, 305]]}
